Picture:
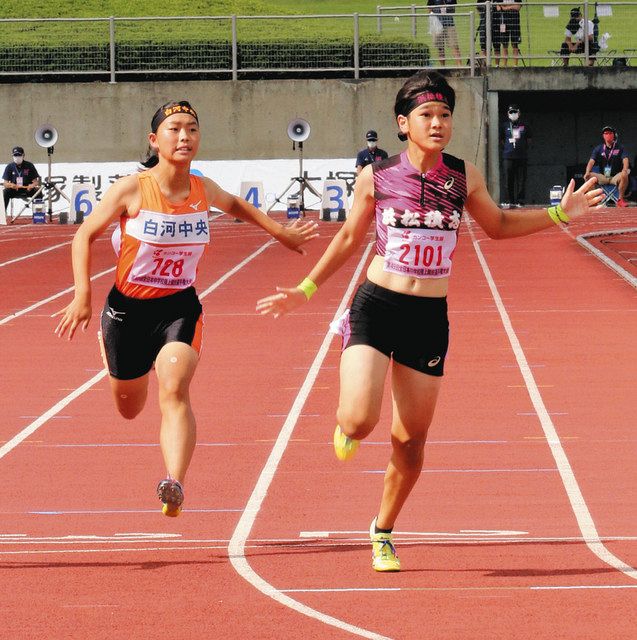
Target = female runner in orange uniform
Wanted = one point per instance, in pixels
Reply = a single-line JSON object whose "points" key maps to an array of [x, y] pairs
{"points": [[153, 314]]}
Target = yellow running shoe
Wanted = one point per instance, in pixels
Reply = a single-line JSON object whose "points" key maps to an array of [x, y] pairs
{"points": [[384, 556], [171, 493], [170, 510], [344, 447]]}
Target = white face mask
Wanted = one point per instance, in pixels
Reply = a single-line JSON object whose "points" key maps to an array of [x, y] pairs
{"points": [[371, 144], [18, 159], [514, 116]]}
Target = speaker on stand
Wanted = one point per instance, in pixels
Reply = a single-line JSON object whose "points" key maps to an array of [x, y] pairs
{"points": [[46, 136], [298, 131]]}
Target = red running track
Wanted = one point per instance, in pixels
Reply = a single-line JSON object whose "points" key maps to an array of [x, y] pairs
{"points": [[523, 525]]}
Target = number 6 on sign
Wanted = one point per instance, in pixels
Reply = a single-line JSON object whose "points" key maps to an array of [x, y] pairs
{"points": [[334, 201], [83, 201]]}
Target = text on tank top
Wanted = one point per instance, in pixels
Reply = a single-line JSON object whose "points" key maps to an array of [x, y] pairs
{"points": [[162, 245], [418, 215]]}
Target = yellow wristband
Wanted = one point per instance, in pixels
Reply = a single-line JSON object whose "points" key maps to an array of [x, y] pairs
{"points": [[307, 287], [557, 214]]}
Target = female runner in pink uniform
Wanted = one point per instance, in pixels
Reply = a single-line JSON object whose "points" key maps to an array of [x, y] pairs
{"points": [[416, 200]]}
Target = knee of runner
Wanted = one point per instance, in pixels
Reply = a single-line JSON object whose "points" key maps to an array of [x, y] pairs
{"points": [[356, 425], [173, 389], [411, 450], [127, 410]]}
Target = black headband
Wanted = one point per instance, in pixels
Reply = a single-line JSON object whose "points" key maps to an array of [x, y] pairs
{"points": [[427, 96], [166, 112]]}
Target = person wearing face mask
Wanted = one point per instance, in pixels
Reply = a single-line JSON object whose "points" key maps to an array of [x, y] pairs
{"points": [[372, 154], [515, 136], [611, 160], [20, 178]]}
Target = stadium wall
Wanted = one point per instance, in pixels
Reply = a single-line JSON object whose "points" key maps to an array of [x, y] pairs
{"points": [[247, 120], [244, 120]]}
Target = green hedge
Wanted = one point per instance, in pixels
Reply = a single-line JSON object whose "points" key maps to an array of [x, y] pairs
{"points": [[213, 56]]}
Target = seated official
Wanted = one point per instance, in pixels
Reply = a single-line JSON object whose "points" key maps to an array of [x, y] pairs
{"points": [[611, 159], [20, 178], [574, 38]]}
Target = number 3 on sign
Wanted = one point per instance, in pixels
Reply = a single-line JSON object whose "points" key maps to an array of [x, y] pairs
{"points": [[334, 200], [336, 197], [83, 201]]}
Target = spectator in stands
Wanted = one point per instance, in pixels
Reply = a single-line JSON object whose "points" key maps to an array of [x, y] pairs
{"points": [[611, 161], [574, 38], [482, 32], [505, 29], [443, 29], [372, 154], [515, 136], [20, 178]]}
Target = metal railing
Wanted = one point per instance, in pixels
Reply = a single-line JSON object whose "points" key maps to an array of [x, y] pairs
{"points": [[396, 38], [543, 34]]}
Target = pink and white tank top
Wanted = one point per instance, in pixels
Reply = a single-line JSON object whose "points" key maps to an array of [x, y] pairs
{"points": [[418, 214]]}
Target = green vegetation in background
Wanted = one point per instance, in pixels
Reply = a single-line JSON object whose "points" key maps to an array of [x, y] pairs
{"points": [[185, 31], [202, 44], [125, 8], [545, 34]]}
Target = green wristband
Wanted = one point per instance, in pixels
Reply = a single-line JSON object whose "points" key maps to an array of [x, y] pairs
{"points": [[557, 214], [307, 287]]}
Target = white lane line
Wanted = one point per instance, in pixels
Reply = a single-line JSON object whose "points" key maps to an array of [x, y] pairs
{"points": [[433, 589], [585, 586], [609, 262], [237, 545], [552, 470], [56, 408], [36, 253], [36, 424], [320, 540], [81, 512], [488, 534], [575, 496], [234, 270], [17, 314], [96, 544]]}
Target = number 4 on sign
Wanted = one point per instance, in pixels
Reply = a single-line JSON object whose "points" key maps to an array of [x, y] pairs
{"points": [[253, 193], [83, 201]]}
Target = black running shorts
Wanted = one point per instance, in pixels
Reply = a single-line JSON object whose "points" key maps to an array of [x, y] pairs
{"points": [[135, 330], [411, 329]]}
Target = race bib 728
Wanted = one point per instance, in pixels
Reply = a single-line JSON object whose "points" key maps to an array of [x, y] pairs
{"points": [[166, 267]]}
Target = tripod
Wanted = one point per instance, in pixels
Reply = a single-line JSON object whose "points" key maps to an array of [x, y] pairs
{"points": [[302, 181], [50, 187]]}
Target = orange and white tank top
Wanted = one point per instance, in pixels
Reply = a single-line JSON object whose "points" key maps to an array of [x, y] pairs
{"points": [[161, 246]]}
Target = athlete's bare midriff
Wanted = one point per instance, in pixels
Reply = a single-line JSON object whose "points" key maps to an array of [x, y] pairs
{"points": [[421, 287]]}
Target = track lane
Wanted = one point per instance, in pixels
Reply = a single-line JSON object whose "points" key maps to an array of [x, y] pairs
{"points": [[72, 484], [526, 495], [266, 360]]}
